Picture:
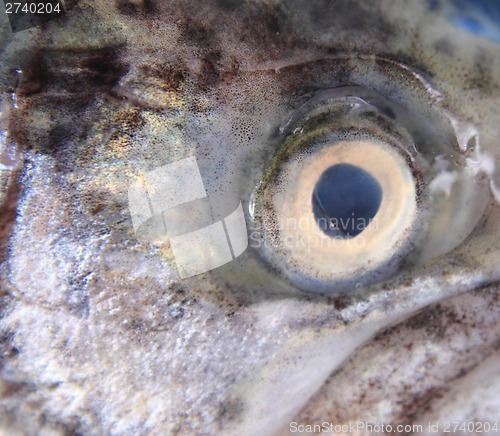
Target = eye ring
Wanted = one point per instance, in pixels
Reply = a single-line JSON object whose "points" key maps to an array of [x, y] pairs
{"points": [[295, 225]]}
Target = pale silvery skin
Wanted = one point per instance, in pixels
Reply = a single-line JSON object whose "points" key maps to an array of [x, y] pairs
{"points": [[99, 334]]}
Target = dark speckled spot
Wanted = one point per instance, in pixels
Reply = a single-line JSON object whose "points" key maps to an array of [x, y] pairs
{"points": [[228, 5], [209, 74], [444, 46], [435, 321], [197, 33], [132, 9], [482, 74], [231, 409]]}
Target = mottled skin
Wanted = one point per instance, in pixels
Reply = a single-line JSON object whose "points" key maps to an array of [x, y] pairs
{"points": [[99, 336]]}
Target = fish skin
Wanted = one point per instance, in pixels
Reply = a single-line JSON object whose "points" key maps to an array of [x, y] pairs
{"points": [[101, 337]]}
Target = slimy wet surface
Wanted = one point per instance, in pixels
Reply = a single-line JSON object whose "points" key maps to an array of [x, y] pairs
{"points": [[395, 325]]}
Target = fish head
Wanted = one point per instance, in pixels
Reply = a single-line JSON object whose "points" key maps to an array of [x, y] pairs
{"points": [[395, 326]]}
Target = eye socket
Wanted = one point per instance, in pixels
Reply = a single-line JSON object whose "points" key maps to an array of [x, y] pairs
{"points": [[351, 192]]}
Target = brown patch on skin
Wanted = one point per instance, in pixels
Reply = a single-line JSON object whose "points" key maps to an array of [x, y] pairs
{"points": [[209, 74], [10, 192], [268, 29], [136, 7], [7, 351], [104, 66], [199, 34], [407, 282], [340, 303], [434, 321], [30, 79], [125, 123], [229, 5], [56, 92], [8, 389], [418, 406], [229, 75], [171, 78], [413, 407], [272, 29], [10, 189], [83, 72], [66, 122], [229, 300]]}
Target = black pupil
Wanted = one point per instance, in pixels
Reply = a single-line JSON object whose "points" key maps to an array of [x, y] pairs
{"points": [[345, 200]]}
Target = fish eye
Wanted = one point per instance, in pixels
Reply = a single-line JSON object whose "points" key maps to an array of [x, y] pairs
{"points": [[362, 185]]}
